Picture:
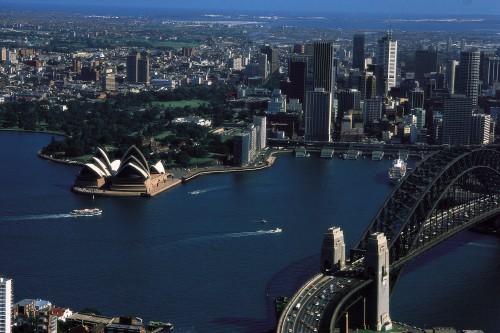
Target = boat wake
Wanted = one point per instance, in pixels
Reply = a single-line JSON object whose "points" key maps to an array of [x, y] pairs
{"points": [[34, 217], [205, 190], [253, 233]]}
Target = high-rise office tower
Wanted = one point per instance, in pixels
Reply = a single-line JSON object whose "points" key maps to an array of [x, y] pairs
{"points": [[132, 60], [372, 110], [489, 68], [347, 100], [387, 58], [6, 297], [480, 129], [451, 70], [138, 67], [263, 66], [358, 51], [324, 75], [318, 115], [420, 115], [143, 68], [457, 119], [273, 57], [260, 123], [425, 63], [468, 75], [416, 98], [297, 72]]}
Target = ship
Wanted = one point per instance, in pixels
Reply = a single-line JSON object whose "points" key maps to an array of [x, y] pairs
{"points": [[86, 212], [397, 170], [275, 230]]}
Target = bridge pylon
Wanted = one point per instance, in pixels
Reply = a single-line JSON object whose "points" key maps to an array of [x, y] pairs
{"points": [[332, 251], [376, 264]]}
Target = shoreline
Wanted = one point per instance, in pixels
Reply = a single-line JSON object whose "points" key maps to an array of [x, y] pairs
{"points": [[170, 183]]}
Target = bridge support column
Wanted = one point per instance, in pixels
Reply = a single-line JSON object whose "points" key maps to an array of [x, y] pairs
{"points": [[332, 251], [377, 266]]}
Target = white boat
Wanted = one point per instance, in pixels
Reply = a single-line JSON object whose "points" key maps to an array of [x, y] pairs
{"points": [[397, 170], [277, 230], [86, 212], [263, 221]]}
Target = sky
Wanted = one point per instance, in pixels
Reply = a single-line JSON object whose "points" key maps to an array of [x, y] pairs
{"points": [[386, 7]]}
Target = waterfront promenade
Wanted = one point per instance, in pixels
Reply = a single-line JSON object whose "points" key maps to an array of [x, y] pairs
{"points": [[175, 177]]}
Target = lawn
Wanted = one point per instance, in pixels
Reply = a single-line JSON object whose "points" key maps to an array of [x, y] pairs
{"points": [[192, 103]]}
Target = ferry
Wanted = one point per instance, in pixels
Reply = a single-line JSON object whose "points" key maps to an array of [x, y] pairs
{"points": [[397, 170], [86, 212]]}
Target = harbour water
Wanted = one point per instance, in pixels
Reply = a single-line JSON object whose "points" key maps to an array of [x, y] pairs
{"points": [[204, 261]]}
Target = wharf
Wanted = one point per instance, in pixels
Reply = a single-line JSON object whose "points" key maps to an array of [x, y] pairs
{"points": [[327, 152], [377, 155]]}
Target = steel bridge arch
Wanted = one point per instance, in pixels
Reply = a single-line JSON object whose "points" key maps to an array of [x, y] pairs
{"points": [[415, 198], [402, 216]]}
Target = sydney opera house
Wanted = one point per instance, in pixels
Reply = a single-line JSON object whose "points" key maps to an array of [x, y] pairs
{"points": [[129, 176]]}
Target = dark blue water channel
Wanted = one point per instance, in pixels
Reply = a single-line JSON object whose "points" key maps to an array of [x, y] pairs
{"points": [[204, 262]]}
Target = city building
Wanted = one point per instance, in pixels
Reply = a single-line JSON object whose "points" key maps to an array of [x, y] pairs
{"points": [[263, 67], [277, 102], [468, 75], [242, 148], [260, 123], [425, 63], [387, 58], [457, 119], [138, 67], [6, 302], [272, 54], [318, 115], [347, 100], [358, 51], [108, 82], [372, 110], [324, 74], [481, 129], [297, 72], [451, 70], [416, 98]]}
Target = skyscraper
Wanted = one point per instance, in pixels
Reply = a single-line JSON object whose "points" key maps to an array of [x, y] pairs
{"points": [[263, 66], [260, 123], [143, 68], [347, 100], [138, 67], [297, 72], [451, 70], [372, 110], [416, 98], [324, 75], [132, 59], [387, 58], [318, 115], [457, 119], [481, 129], [468, 75], [358, 51], [425, 63], [6, 297], [273, 57]]}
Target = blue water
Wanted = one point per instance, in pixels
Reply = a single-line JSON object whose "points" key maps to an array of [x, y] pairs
{"points": [[204, 262]]}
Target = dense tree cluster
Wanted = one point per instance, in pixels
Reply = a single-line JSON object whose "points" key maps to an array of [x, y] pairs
{"points": [[126, 119]]}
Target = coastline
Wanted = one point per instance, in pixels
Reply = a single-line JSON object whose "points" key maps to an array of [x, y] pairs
{"points": [[161, 186]]}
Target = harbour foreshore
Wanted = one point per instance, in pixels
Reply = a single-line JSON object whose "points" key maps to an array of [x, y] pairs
{"points": [[162, 186]]}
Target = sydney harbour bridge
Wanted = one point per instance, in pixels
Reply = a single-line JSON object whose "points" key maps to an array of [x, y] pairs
{"points": [[449, 191]]}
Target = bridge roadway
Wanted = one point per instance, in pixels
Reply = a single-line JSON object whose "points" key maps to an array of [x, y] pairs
{"points": [[308, 309], [312, 306]]}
